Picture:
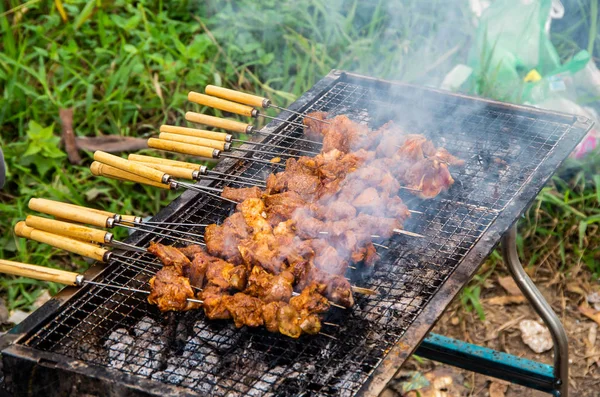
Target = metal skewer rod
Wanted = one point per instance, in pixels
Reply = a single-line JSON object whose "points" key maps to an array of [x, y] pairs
{"points": [[226, 139], [102, 219], [251, 100], [236, 126], [233, 107], [200, 151], [77, 280], [202, 169], [223, 146], [120, 168]]}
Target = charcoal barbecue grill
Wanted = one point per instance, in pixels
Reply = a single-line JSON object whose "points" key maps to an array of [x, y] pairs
{"points": [[103, 341]]}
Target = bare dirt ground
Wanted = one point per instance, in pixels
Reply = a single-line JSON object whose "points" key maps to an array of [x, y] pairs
{"points": [[504, 310]]}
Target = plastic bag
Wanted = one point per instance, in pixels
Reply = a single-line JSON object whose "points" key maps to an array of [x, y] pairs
{"points": [[511, 40]]}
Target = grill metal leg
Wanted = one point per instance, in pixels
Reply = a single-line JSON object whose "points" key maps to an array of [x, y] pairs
{"points": [[543, 309]]}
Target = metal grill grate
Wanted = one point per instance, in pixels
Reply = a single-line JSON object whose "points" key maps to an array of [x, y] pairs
{"points": [[121, 331]]}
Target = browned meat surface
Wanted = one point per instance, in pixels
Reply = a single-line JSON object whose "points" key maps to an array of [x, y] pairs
{"points": [[269, 313], [258, 252], [241, 194], [288, 319], [222, 240], [309, 323], [169, 290], [191, 250], [281, 206], [168, 255], [214, 303], [268, 287], [310, 300], [245, 310], [314, 129]]}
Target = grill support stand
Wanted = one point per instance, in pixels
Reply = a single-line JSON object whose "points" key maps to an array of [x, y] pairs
{"points": [[543, 309], [547, 378]]}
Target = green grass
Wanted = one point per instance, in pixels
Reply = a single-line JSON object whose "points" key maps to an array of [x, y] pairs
{"points": [[126, 68]]}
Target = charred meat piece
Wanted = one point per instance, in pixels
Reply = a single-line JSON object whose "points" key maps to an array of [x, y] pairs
{"points": [[288, 321], [309, 323], [269, 287], [245, 310], [336, 288], [253, 211], [225, 275], [310, 300], [168, 255], [313, 128], [269, 313], [241, 194], [191, 250], [281, 206], [259, 252], [214, 303], [169, 290], [222, 240]]}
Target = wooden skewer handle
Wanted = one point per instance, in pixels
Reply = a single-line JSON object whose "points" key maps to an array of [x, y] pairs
{"points": [[62, 242], [217, 122], [192, 140], [237, 96], [185, 148], [129, 218], [67, 229], [159, 160], [131, 167], [216, 136], [177, 172], [69, 212], [39, 272], [221, 104], [100, 169]]}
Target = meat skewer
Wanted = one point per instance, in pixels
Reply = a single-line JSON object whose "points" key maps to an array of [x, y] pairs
{"points": [[199, 151], [76, 246], [221, 136], [236, 126], [103, 219], [232, 107], [219, 145], [251, 100], [79, 232], [155, 179], [195, 167]]}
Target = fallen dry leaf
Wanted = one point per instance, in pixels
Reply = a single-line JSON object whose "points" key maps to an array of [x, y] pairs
{"points": [[111, 143], [497, 389], [68, 136], [509, 285], [506, 300], [590, 313], [536, 336]]}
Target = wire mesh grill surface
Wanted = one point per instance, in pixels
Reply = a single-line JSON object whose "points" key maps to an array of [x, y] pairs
{"points": [[120, 330]]}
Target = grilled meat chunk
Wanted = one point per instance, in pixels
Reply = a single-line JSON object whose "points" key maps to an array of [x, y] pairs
{"points": [[269, 287], [214, 299], [169, 290], [241, 194], [244, 309], [310, 300], [168, 255]]}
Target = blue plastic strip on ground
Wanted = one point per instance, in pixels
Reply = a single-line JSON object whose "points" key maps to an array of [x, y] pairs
{"points": [[489, 362]]}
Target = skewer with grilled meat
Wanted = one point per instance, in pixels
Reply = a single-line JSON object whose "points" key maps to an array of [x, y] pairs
{"points": [[336, 288], [170, 290], [223, 240], [269, 287], [168, 255]]}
